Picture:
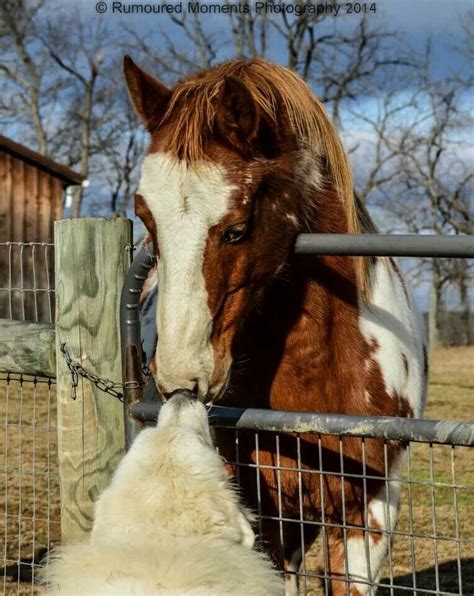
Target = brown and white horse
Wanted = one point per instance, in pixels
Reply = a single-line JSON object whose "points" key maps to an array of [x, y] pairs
{"points": [[242, 159]]}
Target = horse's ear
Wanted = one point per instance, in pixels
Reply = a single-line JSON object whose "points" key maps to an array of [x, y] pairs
{"points": [[238, 116], [150, 97]]}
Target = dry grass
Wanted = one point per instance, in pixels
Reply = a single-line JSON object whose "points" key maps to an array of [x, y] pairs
{"points": [[30, 494], [451, 396]]}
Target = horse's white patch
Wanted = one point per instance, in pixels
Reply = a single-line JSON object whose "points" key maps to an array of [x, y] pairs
{"points": [[316, 178], [394, 322], [291, 580], [184, 202], [358, 568], [365, 556]]}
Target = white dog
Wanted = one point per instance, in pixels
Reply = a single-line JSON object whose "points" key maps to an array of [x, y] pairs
{"points": [[169, 523]]}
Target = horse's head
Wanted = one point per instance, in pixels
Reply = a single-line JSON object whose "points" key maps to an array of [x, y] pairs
{"points": [[225, 188]]}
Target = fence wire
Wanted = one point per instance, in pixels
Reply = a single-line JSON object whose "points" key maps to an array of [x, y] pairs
{"points": [[29, 483], [26, 282], [429, 551]]}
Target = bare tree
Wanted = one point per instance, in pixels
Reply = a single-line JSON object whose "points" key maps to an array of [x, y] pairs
{"points": [[27, 91], [339, 65], [68, 90], [418, 171], [123, 148], [384, 140], [81, 58]]}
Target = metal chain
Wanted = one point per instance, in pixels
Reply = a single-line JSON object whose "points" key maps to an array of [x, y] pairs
{"points": [[105, 385]]}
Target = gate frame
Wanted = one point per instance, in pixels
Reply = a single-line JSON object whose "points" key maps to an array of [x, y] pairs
{"points": [[137, 412]]}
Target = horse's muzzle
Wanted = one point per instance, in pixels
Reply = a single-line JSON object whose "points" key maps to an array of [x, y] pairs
{"points": [[187, 393]]}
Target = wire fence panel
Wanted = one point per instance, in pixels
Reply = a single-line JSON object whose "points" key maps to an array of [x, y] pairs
{"points": [[399, 523], [26, 282], [312, 496], [29, 484]]}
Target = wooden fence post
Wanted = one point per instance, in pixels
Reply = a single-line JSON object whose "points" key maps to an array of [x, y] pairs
{"points": [[92, 257]]}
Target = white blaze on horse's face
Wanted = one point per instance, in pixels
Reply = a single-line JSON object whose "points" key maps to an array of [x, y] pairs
{"points": [[185, 202]]}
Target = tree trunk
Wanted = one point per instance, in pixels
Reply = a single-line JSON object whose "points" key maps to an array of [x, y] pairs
{"points": [[435, 306], [465, 338]]}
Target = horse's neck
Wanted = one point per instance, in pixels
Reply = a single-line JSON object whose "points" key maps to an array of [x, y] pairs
{"points": [[320, 300], [303, 334], [321, 297]]}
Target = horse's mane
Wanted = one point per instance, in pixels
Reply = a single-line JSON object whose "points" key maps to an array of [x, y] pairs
{"points": [[194, 105]]}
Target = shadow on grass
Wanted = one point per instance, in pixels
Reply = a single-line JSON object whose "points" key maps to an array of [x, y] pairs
{"points": [[448, 580]]}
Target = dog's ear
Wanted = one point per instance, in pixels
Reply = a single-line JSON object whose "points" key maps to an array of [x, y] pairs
{"points": [[248, 536]]}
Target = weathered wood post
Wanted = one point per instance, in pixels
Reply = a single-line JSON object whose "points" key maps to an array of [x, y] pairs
{"points": [[92, 257]]}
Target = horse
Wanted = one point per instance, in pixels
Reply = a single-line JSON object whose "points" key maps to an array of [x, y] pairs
{"points": [[242, 159]]}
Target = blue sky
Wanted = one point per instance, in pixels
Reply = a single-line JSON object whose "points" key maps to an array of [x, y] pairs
{"points": [[418, 19]]}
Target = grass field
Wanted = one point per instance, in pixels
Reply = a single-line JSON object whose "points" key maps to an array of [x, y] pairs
{"points": [[29, 492]]}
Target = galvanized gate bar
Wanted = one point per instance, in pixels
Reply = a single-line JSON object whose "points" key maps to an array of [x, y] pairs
{"points": [[132, 356], [386, 245], [377, 427]]}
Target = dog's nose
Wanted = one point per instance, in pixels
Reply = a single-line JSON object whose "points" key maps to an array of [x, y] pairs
{"points": [[191, 394]]}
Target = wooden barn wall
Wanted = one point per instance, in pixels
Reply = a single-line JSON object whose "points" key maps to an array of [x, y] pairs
{"points": [[30, 201]]}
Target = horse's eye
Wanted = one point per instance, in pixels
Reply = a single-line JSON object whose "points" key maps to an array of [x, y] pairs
{"points": [[234, 233]]}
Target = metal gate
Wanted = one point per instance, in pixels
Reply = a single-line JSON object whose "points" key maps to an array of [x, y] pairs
{"points": [[431, 550]]}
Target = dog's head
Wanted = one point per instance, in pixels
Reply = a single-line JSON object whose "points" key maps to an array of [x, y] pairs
{"points": [[182, 411], [184, 421]]}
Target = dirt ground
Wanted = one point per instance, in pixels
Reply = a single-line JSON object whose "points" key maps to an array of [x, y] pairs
{"points": [[29, 490]]}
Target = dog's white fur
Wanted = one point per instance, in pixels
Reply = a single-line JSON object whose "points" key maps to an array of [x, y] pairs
{"points": [[169, 523]]}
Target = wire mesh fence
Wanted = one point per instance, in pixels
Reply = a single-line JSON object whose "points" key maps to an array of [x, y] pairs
{"points": [[26, 281], [29, 487], [312, 498], [29, 484]]}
